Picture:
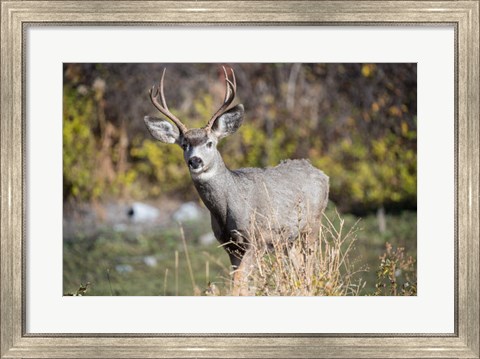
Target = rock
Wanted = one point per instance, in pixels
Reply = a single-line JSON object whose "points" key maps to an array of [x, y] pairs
{"points": [[189, 211], [124, 268], [150, 261], [142, 213], [207, 239], [120, 227]]}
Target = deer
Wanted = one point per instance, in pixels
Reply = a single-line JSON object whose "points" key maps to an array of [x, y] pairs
{"points": [[284, 199]]}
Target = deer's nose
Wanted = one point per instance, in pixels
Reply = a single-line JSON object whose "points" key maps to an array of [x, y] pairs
{"points": [[195, 162]]}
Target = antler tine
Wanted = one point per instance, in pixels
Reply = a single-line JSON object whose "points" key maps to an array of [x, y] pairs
{"points": [[163, 108], [230, 92], [227, 87], [234, 83], [162, 95]]}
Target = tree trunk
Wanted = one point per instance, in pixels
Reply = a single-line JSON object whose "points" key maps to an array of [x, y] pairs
{"points": [[382, 220]]}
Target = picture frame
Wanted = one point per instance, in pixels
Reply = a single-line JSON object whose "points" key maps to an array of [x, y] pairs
{"points": [[16, 15]]}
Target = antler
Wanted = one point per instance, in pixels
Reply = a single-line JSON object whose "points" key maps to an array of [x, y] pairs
{"points": [[230, 92], [163, 108]]}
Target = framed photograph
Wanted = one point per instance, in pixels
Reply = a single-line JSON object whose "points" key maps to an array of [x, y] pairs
{"points": [[156, 200]]}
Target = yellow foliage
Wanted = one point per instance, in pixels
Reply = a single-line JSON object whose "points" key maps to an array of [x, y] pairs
{"points": [[368, 69], [163, 164]]}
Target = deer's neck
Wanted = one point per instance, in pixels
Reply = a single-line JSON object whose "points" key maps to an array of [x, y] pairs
{"points": [[213, 187]]}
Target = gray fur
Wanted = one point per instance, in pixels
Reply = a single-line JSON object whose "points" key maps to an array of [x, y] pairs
{"points": [[283, 199]]}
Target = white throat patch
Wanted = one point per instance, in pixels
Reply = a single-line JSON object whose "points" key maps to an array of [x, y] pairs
{"points": [[203, 176]]}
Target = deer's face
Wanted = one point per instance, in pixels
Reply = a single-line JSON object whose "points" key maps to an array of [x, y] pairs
{"points": [[200, 144], [199, 150]]}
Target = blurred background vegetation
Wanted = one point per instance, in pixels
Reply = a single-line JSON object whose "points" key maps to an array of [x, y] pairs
{"points": [[356, 122]]}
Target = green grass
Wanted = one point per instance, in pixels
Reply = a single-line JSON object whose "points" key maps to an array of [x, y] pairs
{"points": [[371, 244], [115, 263]]}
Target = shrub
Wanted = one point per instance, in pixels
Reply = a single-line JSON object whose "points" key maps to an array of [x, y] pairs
{"points": [[79, 146], [396, 273]]}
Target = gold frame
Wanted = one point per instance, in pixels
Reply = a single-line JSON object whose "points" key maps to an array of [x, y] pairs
{"points": [[464, 15]]}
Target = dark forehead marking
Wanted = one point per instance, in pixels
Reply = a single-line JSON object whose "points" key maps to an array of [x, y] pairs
{"points": [[196, 136]]}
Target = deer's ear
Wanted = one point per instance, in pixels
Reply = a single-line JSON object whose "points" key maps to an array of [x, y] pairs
{"points": [[162, 130], [228, 122]]}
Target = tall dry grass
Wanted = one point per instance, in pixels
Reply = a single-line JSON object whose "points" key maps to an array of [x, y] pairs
{"points": [[316, 263]]}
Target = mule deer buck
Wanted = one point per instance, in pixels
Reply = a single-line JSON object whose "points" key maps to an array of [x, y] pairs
{"points": [[284, 199]]}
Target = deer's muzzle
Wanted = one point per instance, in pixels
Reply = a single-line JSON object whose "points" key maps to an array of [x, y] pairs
{"points": [[195, 163]]}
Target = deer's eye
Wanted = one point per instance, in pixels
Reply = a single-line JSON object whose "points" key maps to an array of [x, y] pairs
{"points": [[209, 144], [185, 146]]}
